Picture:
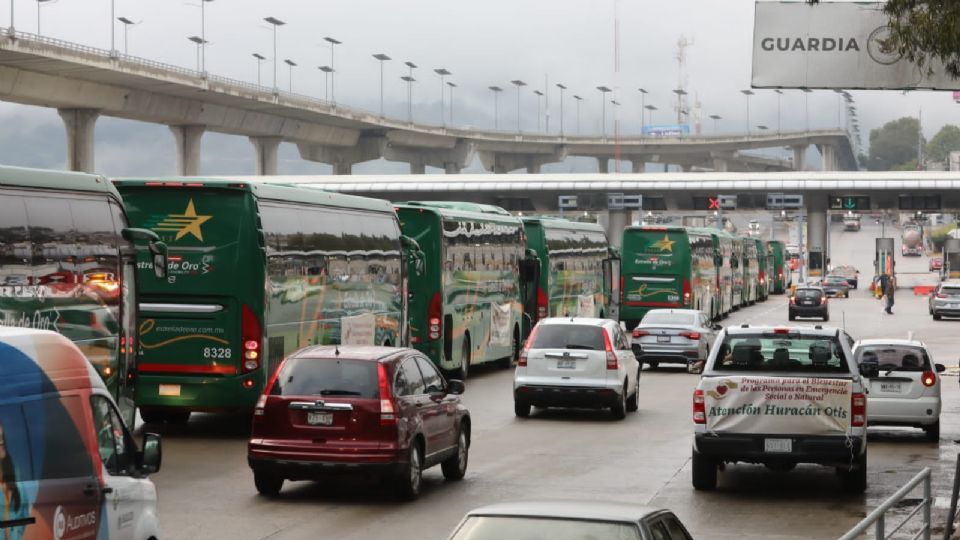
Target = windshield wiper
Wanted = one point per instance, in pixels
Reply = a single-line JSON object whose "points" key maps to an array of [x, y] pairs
{"points": [[339, 393]]}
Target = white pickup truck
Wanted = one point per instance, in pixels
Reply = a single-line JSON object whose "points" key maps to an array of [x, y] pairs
{"points": [[779, 397]]}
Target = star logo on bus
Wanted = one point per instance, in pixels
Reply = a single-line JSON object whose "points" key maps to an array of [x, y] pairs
{"points": [[188, 222], [664, 245]]}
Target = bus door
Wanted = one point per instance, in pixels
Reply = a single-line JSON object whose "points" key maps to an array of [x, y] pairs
{"points": [[611, 284], [529, 281]]}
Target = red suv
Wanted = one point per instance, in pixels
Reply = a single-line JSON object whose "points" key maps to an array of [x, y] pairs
{"points": [[355, 409]]}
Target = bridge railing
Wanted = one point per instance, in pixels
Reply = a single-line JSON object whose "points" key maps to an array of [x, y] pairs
{"points": [[878, 518]]}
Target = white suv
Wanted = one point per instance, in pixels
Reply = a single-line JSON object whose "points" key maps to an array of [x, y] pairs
{"points": [[779, 397], [577, 362], [905, 390]]}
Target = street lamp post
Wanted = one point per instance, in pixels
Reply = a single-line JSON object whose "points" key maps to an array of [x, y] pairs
{"points": [[716, 122], [327, 70], [578, 99], [290, 64], [127, 23], [442, 72], [496, 113], [779, 95], [562, 88], [452, 86], [643, 103], [260, 58], [275, 22], [518, 83], [539, 99], [650, 108], [680, 92], [806, 107], [381, 58], [603, 110], [39, 3], [199, 41], [203, 35], [747, 93], [409, 80], [333, 77]]}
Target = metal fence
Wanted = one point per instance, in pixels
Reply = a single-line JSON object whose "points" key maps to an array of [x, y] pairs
{"points": [[952, 516], [878, 518]]}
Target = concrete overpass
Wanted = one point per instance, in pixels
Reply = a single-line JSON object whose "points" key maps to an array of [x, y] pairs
{"points": [[935, 191], [84, 82]]}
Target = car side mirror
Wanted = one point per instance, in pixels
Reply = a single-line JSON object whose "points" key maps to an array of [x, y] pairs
{"points": [[152, 454], [456, 387], [869, 369], [940, 368]]}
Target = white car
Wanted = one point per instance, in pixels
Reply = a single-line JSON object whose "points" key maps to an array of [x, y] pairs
{"points": [[905, 390], [577, 362]]}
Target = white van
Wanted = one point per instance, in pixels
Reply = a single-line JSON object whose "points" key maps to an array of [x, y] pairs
{"points": [[69, 467]]}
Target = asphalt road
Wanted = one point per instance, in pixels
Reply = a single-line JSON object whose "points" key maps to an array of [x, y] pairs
{"points": [[206, 490]]}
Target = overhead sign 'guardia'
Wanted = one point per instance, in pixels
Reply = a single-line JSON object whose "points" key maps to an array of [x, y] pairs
{"points": [[832, 45]]}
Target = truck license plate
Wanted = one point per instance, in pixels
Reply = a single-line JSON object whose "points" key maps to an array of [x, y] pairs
{"points": [[566, 364], [780, 446], [319, 418]]}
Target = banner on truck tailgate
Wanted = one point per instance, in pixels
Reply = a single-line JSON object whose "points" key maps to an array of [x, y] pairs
{"points": [[776, 405]]}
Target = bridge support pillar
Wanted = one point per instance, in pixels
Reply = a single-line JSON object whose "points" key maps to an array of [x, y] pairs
{"points": [[452, 168], [503, 162], [266, 150], [719, 165], [418, 167], [188, 148], [533, 168], [80, 125], [799, 157], [603, 165], [637, 165], [829, 155], [817, 230], [615, 221]]}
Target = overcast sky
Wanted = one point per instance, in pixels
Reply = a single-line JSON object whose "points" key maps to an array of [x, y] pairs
{"points": [[482, 43]]}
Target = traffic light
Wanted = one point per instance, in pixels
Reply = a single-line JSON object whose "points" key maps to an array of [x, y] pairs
{"points": [[849, 202]]}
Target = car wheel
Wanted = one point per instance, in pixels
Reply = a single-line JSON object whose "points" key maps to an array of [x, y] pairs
{"points": [[455, 467], [619, 409], [521, 409], [792, 317], [268, 484], [634, 403], [411, 475], [937, 316], [653, 364], [826, 318], [704, 472], [933, 431], [855, 478], [465, 358]]}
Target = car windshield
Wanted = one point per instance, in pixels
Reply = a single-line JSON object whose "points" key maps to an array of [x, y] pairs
{"points": [[808, 293], [569, 336], [898, 357], [327, 377], [536, 528], [678, 319], [791, 352]]}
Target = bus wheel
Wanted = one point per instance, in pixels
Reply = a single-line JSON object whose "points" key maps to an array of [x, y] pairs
{"points": [[465, 358]]}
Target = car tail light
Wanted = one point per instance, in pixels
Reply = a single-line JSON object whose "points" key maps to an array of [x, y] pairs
{"points": [[941, 295], [823, 299], [608, 347], [640, 333], [541, 304], [690, 335], [699, 409], [763, 277], [793, 300], [929, 378], [522, 361], [621, 289], [858, 410], [686, 292], [435, 317], [781, 330], [388, 415], [780, 274], [250, 336]]}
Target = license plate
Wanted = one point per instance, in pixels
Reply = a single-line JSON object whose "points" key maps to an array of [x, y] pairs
{"points": [[953, 306], [319, 418], [778, 445], [890, 387], [172, 390], [663, 339], [566, 364]]}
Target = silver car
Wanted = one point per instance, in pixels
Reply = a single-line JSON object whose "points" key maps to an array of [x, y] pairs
{"points": [[570, 520], [676, 336], [945, 300]]}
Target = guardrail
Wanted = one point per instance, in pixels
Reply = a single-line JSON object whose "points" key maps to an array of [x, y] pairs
{"points": [[878, 518], [952, 516]]}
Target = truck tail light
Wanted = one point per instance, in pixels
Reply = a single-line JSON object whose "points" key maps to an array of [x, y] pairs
{"points": [[388, 415], [542, 308], [250, 336], [522, 361], [699, 408], [858, 410], [611, 355], [929, 378], [435, 317]]}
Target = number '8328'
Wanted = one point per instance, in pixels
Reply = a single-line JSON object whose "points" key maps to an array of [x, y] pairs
{"points": [[218, 353]]}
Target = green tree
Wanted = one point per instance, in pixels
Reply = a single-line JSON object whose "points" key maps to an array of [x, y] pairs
{"points": [[945, 141], [894, 145]]}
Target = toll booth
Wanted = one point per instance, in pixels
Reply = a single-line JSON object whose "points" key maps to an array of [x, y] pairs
{"points": [[884, 262], [951, 259]]}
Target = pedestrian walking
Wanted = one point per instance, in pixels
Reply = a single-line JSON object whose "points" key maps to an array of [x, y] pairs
{"points": [[888, 293]]}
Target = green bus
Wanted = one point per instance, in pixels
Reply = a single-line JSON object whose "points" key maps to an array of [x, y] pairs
{"points": [[255, 272], [672, 267], [739, 279], [68, 264], [571, 282], [725, 260], [764, 262], [466, 308], [750, 265], [779, 270]]}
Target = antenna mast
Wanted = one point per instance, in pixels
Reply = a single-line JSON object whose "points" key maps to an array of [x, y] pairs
{"points": [[681, 56]]}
